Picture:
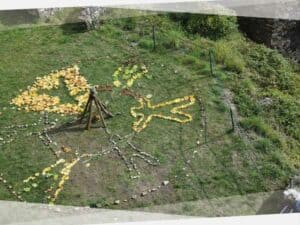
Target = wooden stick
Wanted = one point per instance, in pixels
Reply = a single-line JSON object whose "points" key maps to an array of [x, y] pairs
{"points": [[211, 62], [90, 115], [103, 108], [232, 120], [85, 109], [100, 113]]}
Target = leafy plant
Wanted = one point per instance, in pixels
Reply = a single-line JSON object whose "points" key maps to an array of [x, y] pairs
{"points": [[211, 26], [225, 53]]}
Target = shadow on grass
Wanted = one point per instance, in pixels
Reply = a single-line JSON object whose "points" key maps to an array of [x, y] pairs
{"points": [[73, 28], [73, 126]]}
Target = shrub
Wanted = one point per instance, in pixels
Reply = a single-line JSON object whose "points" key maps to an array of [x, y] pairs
{"points": [[264, 145], [231, 58], [172, 39], [247, 106], [235, 64], [287, 112], [272, 171], [183, 18], [273, 70], [261, 128], [110, 30], [129, 23], [146, 43], [213, 27], [189, 60]]}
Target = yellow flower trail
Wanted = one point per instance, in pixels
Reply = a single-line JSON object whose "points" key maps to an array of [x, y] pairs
{"points": [[64, 175], [143, 120]]}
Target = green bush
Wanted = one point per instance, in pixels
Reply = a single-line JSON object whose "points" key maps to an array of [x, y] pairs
{"points": [[146, 43], [182, 18], [172, 39], [189, 60], [272, 171], [264, 145], [246, 104], [227, 55], [273, 70], [129, 23], [261, 128], [287, 112], [213, 27], [110, 30]]}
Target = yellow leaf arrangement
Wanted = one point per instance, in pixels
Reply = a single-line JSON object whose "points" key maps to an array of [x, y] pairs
{"points": [[143, 120], [59, 179], [128, 74], [77, 85]]}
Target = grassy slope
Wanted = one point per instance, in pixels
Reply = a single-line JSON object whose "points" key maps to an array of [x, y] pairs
{"points": [[228, 165]]}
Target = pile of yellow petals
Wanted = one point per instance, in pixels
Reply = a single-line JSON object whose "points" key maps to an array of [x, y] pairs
{"points": [[63, 176], [65, 172], [77, 85], [143, 121], [128, 74], [32, 181]]}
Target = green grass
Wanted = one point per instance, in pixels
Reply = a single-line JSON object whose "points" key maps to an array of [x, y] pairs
{"points": [[226, 165]]}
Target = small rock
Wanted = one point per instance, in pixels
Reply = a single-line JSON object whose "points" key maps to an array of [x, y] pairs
{"points": [[133, 197], [143, 193], [266, 101], [117, 202], [165, 183], [57, 210], [133, 44], [99, 205]]}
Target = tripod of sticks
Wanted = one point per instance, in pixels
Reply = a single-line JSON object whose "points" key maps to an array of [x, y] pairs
{"points": [[101, 108]]}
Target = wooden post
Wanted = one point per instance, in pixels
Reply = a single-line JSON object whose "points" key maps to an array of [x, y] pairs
{"points": [[88, 126], [211, 62], [205, 126], [232, 121], [89, 109], [153, 37]]}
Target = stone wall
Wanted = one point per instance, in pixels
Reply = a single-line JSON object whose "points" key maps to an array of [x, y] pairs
{"points": [[286, 38], [283, 35]]}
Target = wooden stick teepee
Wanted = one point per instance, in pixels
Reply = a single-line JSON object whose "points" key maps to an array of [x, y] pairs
{"points": [[101, 108]]}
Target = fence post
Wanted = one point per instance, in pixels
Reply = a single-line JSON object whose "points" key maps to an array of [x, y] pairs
{"points": [[232, 121], [211, 62]]}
